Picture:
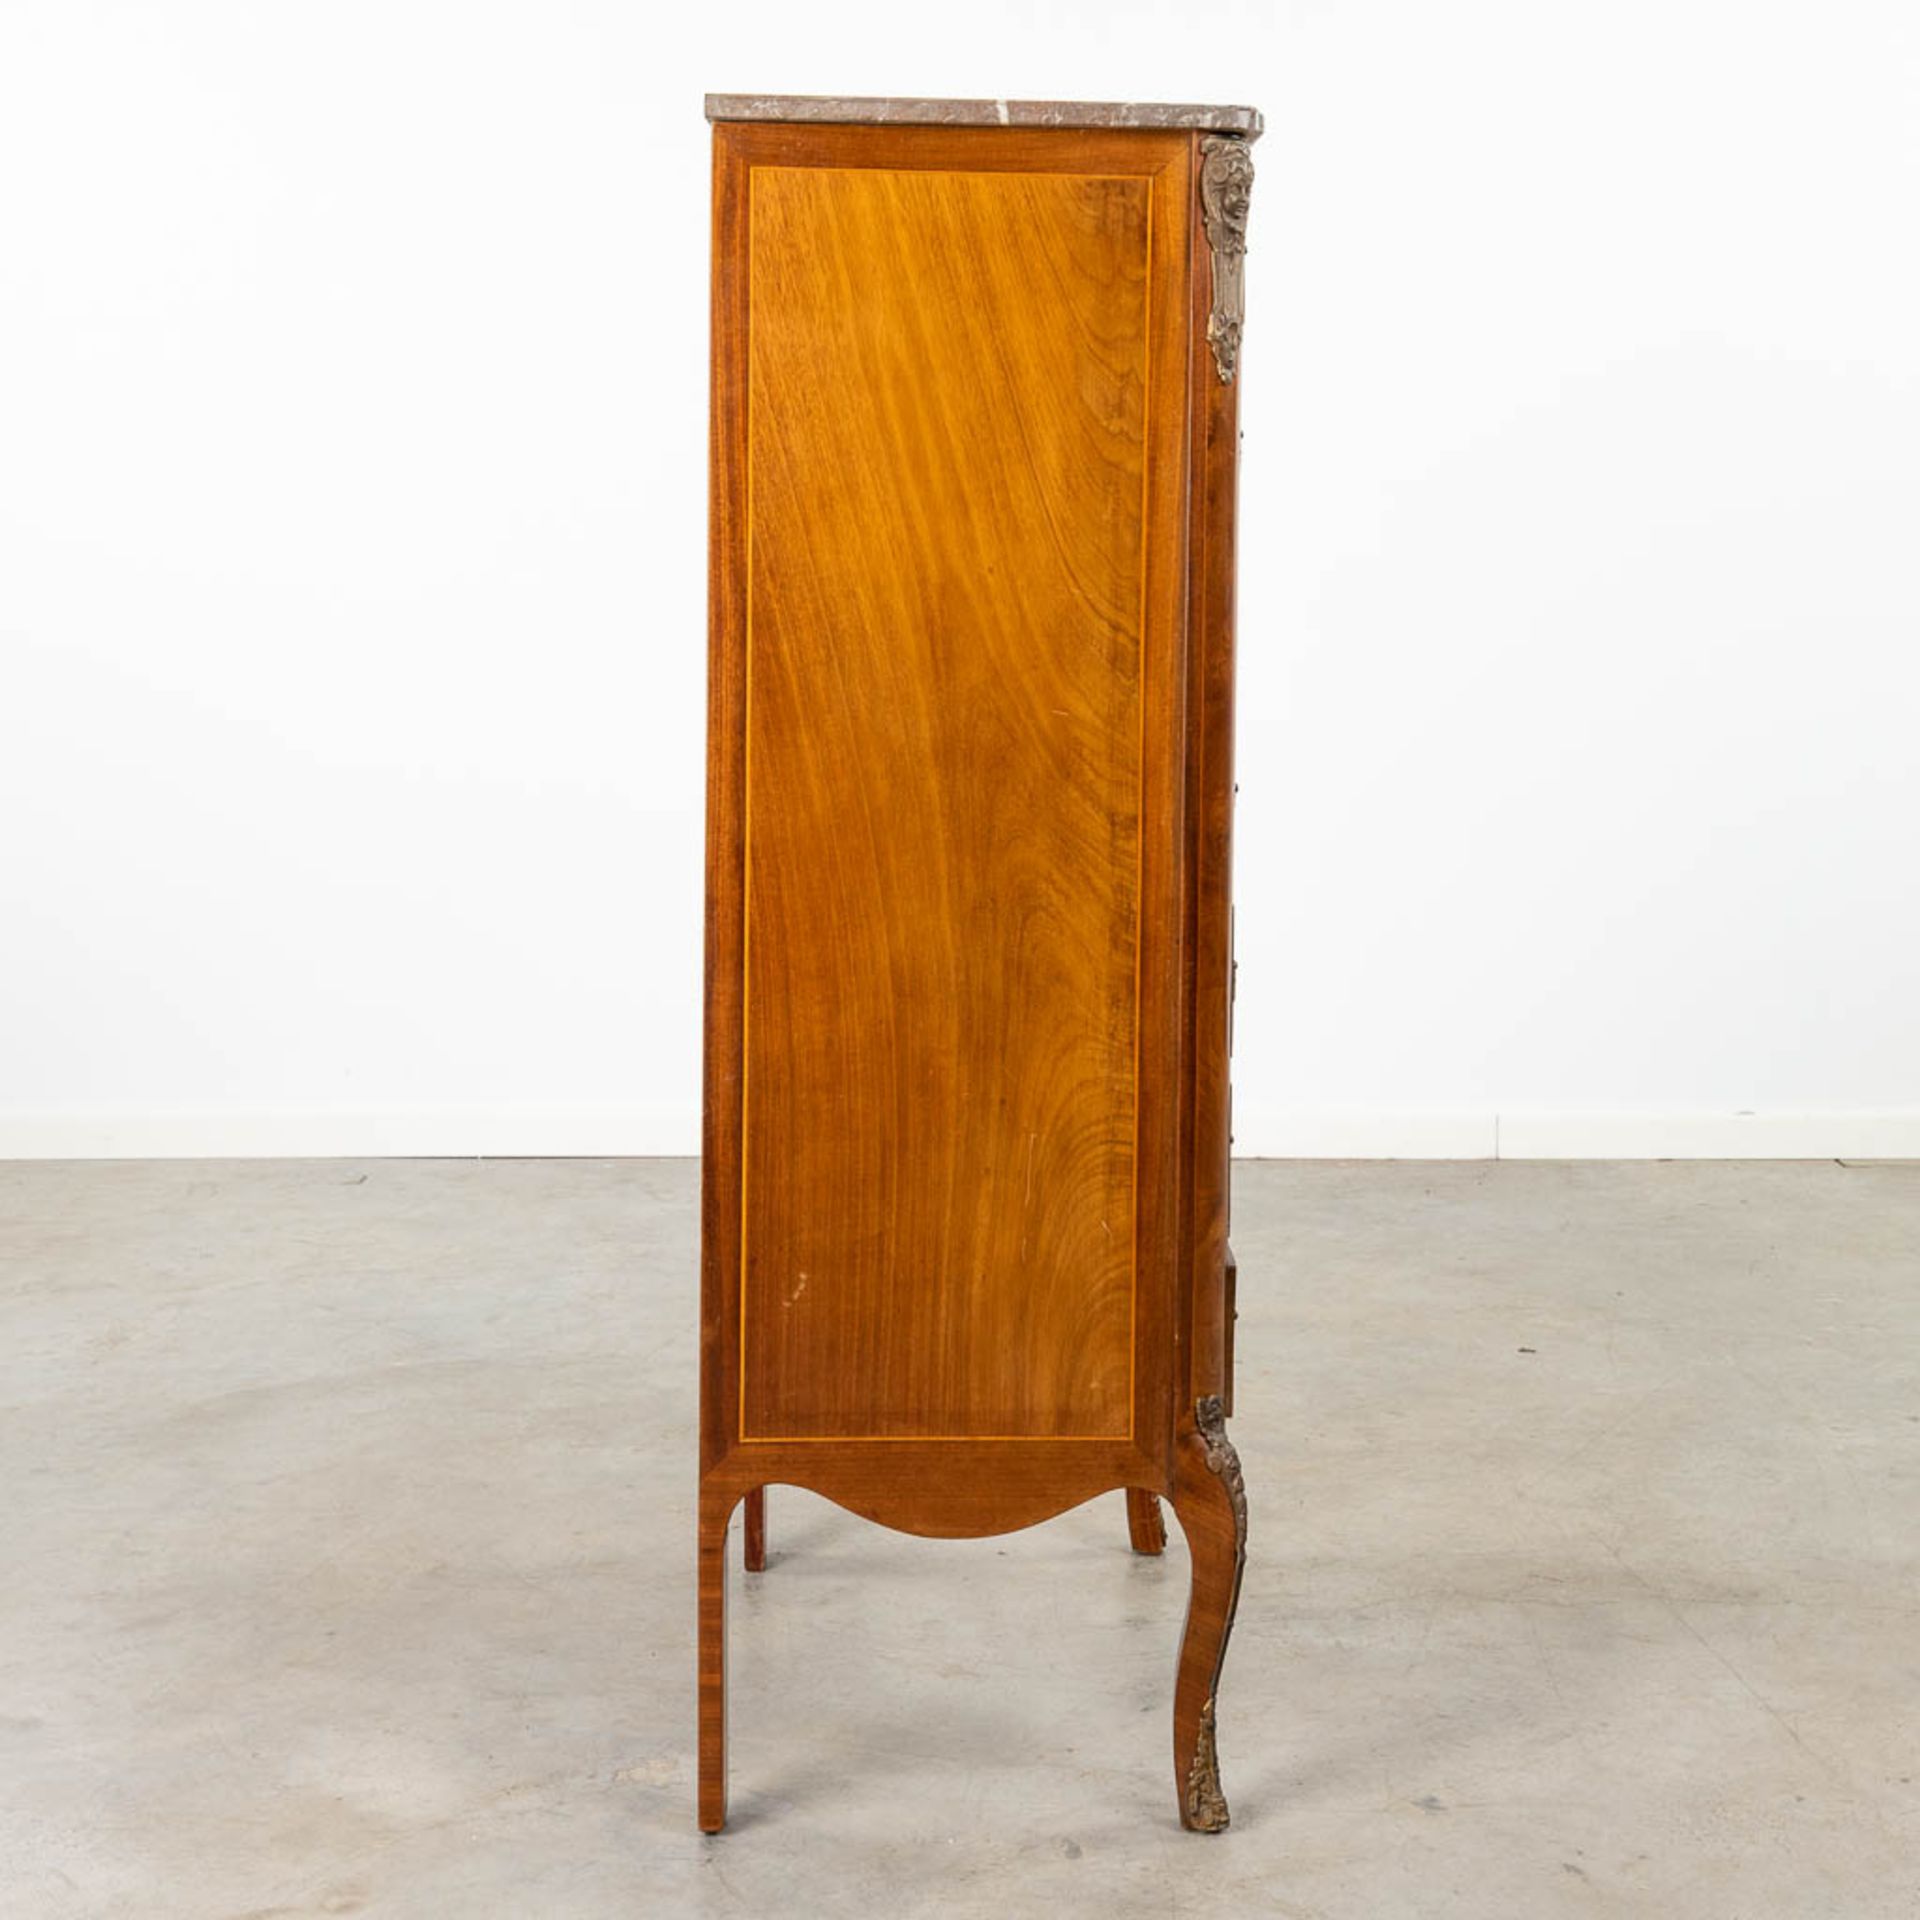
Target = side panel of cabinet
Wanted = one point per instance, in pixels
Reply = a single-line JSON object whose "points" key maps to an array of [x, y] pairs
{"points": [[947, 840]]}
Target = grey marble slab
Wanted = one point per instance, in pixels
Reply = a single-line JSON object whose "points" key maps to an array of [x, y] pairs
{"points": [[1142, 114]]}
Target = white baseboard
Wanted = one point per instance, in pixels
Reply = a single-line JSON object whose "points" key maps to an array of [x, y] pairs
{"points": [[577, 1134], [1274, 1134], [1888, 1135], [1359, 1134], [1892, 1134]]}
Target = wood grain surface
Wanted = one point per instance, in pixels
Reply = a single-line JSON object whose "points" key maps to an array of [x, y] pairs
{"points": [[947, 377], [947, 839]]}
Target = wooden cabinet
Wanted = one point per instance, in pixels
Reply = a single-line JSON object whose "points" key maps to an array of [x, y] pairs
{"points": [[964, 1214]]}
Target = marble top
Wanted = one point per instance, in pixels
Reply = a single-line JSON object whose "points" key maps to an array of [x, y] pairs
{"points": [[1148, 115]]}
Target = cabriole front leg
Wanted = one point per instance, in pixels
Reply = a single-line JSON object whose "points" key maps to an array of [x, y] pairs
{"points": [[1210, 1502]]}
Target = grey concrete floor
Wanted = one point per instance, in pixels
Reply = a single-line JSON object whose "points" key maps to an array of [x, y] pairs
{"points": [[346, 1568]]}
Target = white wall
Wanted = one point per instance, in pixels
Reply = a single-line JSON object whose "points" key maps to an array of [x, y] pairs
{"points": [[352, 365]]}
